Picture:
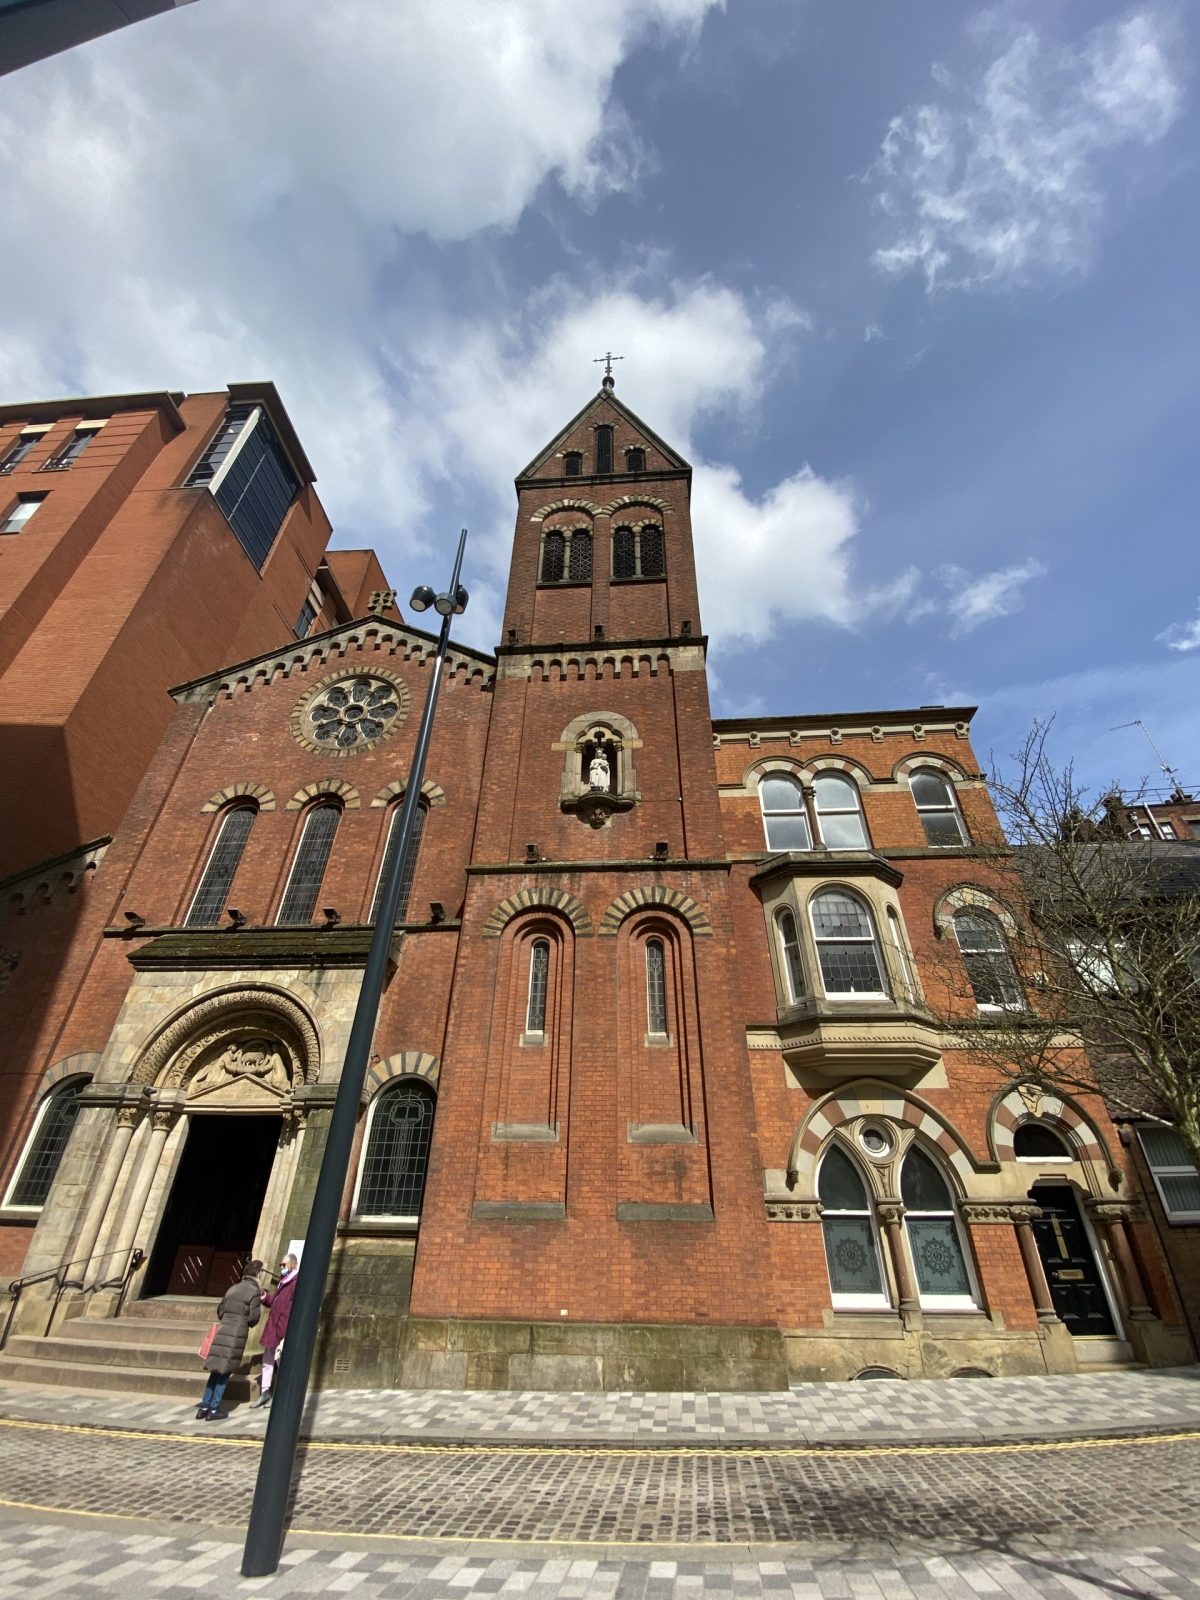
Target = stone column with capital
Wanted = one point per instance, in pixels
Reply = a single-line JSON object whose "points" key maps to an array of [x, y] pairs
{"points": [[79, 1255], [891, 1218], [1114, 1218], [161, 1123]]}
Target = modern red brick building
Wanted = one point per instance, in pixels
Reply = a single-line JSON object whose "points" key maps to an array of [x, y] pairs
{"points": [[655, 1100]]}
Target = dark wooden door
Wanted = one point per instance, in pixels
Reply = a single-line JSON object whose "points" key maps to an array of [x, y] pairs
{"points": [[208, 1228], [1076, 1286]]}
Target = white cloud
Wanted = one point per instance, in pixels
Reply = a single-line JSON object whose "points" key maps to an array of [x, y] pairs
{"points": [[1182, 636], [226, 193], [999, 182], [972, 601]]}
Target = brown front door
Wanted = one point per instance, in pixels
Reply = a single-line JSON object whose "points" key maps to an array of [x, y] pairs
{"points": [[208, 1228], [1072, 1271]]}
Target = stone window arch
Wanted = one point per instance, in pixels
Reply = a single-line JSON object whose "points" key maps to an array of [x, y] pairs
{"points": [[224, 856], [390, 1185], [45, 1147], [307, 872]]}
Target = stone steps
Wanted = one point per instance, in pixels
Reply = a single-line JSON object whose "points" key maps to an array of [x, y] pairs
{"points": [[122, 1380], [149, 1349]]}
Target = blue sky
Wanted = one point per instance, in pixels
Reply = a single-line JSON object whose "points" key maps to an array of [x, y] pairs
{"points": [[914, 286]]}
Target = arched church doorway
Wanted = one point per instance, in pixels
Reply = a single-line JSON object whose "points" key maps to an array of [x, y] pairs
{"points": [[207, 1232]]}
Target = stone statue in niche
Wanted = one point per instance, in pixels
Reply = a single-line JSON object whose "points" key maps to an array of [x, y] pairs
{"points": [[599, 761], [251, 1063], [599, 771]]}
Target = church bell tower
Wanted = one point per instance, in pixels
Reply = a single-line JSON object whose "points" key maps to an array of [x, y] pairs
{"points": [[595, 1160]]}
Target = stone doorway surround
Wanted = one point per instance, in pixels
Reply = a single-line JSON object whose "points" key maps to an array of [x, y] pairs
{"points": [[241, 1049]]}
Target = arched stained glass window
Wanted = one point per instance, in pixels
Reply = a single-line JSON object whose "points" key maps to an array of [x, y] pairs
{"points": [[40, 1163], [652, 551], [624, 553], [580, 567], [539, 974], [554, 553], [784, 816], [789, 945], [409, 869], [213, 891], [847, 948], [656, 987], [937, 807], [839, 813], [851, 1242], [308, 868], [988, 963], [604, 448], [933, 1237], [392, 1176]]}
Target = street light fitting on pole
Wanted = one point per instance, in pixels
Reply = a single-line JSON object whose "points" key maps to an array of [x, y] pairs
{"points": [[264, 1534]]}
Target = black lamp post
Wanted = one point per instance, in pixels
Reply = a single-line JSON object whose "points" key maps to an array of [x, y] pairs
{"points": [[264, 1534]]}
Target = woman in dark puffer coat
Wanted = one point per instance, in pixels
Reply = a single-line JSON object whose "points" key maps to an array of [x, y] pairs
{"points": [[238, 1312]]}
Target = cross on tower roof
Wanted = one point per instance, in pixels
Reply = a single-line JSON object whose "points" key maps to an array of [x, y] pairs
{"points": [[608, 358]]}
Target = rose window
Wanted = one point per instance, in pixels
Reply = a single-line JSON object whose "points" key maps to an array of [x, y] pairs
{"points": [[353, 713]]}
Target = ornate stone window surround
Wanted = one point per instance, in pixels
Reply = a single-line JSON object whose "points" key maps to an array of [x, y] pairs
{"points": [[621, 740], [353, 713], [791, 885]]}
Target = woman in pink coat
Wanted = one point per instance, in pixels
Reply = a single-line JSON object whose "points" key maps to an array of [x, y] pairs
{"points": [[280, 1304]]}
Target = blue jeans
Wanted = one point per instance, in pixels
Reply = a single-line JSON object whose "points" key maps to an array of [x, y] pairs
{"points": [[214, 1390]]}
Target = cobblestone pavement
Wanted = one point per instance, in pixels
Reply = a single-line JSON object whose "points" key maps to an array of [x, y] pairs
{"points": [[600, 1494], [953, 1408], [795, 1496]]}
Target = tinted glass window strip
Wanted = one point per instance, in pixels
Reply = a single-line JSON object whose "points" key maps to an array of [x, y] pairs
{"points": [[41, 1164], [393, 1180], [222, 864], [308, 871], [207, 467]]}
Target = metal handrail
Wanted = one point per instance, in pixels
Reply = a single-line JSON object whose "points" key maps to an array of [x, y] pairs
{"points": [[58, 1274]]}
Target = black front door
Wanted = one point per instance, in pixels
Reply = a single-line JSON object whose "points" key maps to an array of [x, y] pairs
{"points": [[1071, 1269], [208, 1228]]}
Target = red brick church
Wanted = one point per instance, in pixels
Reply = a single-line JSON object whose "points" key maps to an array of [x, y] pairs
{"points": [[655, 1100]]}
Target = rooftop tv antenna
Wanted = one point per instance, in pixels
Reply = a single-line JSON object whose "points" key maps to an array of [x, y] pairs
{"points": [[1162, 760]]}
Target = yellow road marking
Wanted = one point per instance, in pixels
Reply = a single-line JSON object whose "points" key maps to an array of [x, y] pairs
{"points": [[401, 1447]]}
